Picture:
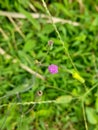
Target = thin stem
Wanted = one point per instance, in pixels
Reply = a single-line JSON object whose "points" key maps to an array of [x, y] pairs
{"points": [[58, 34], [90, 90], [85, 121], [28, 103]]}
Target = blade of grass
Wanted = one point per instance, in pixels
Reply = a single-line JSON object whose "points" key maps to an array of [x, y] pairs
{"points": [[30, 18]]}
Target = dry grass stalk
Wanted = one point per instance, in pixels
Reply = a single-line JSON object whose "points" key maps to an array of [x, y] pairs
{"points": [[16, 27], [4, 34], [36, 16]]}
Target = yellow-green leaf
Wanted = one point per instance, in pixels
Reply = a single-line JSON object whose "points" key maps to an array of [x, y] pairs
{"points": [[96, 104], [91, 115], [64, 99], [78, 77], [44, 113]]}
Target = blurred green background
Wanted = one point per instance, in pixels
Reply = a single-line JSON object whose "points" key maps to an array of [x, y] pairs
{"points": [[31, 98]]}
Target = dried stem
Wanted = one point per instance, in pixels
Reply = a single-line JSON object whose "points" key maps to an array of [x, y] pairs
{"points": [[36, 16]]}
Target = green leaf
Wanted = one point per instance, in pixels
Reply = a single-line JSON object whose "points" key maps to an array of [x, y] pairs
{"points": [[96, 104], [29, 45], [44, 113], [95, 22], [81, 38], [30, 18], [64, 99], [91, 115]]}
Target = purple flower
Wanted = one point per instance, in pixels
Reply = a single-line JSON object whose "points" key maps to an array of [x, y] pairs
{"points": [[53, 69]]}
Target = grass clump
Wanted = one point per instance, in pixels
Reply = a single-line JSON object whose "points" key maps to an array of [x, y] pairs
{"points": [[33, 36]]}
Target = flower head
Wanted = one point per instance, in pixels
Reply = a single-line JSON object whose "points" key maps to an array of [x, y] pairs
{"points": [[53, 69], [50, 42]]}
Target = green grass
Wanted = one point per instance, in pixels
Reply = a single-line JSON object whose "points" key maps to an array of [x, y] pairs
{"points": [[30, 97]]}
